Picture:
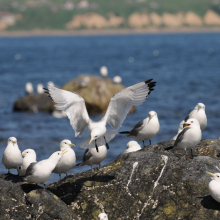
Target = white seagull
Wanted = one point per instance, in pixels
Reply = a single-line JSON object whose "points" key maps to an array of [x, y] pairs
{"points": [[29, 157], [145, 129], [68, 160], [120, 104], [39, 172], [131, 147], [214, 186], [40, 88], [102, 216], [104, 71], [12, 158], [91, 156], [190, 136], [29, 88], [199, 113]]}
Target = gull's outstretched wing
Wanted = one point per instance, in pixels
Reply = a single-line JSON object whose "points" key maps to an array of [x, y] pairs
{"points": [[121, 103], [73, 105]]}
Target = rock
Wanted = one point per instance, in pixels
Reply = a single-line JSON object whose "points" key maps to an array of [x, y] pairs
{"points": [[96, 91], [192, 19], [172, 20], [155, 19], [28, 201], [127, 187], [33, 103], [211, 18], [153, 183], [137, 20]]}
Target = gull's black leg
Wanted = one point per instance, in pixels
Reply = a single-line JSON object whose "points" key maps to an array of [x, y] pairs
{"points": [[143, 143], [150, 142], [96, 146], [106, 143]]}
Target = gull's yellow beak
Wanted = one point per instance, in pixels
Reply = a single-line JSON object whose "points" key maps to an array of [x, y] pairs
{"points": [[14, 142], [63, 151], [200, 106], [186, 125], [211, 174], [22, 155], [151, 116], [72, 145], [91, 141]]}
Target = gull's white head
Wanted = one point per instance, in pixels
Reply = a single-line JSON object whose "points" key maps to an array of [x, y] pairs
{"points": [[152, 114], [65, 144], [215, 176], [102, 216], [29, 88], [132, 144], [191, 123], [95, 134], [50, 83], [29, 153], [104, 71], [40, 88], [199, 106], [117, 79], [12, 141], [56, 156]]}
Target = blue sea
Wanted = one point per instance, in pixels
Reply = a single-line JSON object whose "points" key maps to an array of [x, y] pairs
{"points": [[186, 68]]}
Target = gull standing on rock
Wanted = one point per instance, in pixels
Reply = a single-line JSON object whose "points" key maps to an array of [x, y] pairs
{"points": [[190, 136], [40, 88], [29, 157], [120, 104], [131, 147], [104, 71], [214, 186], [29, 88], [40, 172], [68, 161], [12, 158], [91, 156], [102, 216], [199, 113], [145, 129]]}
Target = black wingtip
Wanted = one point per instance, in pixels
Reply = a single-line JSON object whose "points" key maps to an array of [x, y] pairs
{"points": [[150, 85], [124, 132], [48, 93], [148, 81]]}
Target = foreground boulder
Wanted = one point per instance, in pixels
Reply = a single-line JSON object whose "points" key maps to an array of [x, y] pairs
{"points": [[153, 183], [96, 91]]}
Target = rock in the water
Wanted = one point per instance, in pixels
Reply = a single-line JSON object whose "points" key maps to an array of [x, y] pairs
{"points": [[33, 103], [96, 91], [152, 183]]}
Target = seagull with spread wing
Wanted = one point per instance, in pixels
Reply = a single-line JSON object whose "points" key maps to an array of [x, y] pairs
{"points": [[120, 104]]}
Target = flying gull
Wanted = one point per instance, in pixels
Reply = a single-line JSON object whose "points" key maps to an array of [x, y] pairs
{"points": [[120, 104]]}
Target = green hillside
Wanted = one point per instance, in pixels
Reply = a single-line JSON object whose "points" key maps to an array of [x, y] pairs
{"points": [[54, 14]]}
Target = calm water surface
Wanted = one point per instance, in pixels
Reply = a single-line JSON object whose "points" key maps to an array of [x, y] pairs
{"points": [[185, 66]]}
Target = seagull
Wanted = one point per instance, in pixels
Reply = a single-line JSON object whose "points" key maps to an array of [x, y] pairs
{"points": [[102, 216], [29, 88], [68, 160], [12, 158], [214, 186], [40, 88], [199, 113], [91, 156], [190, 136], [29, 157], [104, 71], [120, 104], [131, 147], [179, 130], [117, 79], [145, 129], [39, 172]]}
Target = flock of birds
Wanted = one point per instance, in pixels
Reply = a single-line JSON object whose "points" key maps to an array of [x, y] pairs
{"points": [[188, 136]]}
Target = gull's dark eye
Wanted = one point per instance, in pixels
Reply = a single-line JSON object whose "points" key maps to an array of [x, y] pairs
{"points": [[217, 175], [58, 153], [27, 152], [65, 143], [191, 121]]}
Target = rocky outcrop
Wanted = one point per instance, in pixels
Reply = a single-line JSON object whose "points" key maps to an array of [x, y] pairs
{"points": [[153, 183], [138, 20], [96, 91], [172, 20], [155, 19], [211, 18], [192, 19]]}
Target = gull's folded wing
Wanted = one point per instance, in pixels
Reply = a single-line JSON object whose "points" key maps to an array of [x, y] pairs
{"points": [[73, 105]]}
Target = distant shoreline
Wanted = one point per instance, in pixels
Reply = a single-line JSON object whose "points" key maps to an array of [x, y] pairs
{"points": [[42, 33]]}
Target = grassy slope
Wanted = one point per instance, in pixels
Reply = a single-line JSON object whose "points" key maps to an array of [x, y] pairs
{"points": [[41, 15]]}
